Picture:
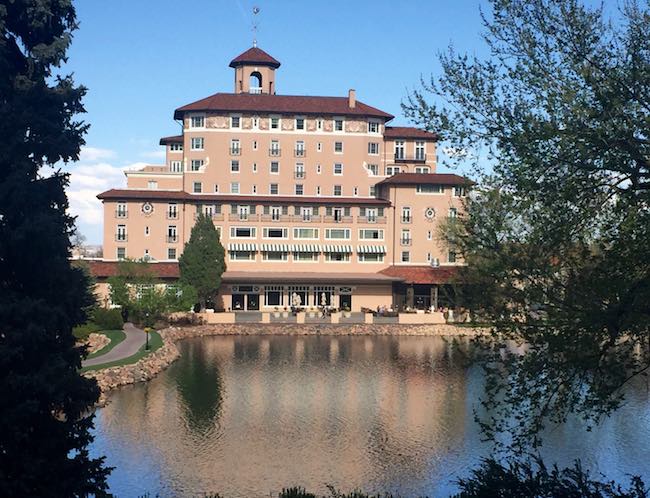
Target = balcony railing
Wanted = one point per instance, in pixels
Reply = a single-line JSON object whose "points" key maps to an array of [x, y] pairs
{"points": [[299, 152], [235, 151], [274, 152], [337, 219], [121, 214], [410, 158], [381, 220], [406, 219], [276, 217], [172, 215], [405, 241], [243, 217], [172, 238], [121, 237], [255, 89], [299, 174]]}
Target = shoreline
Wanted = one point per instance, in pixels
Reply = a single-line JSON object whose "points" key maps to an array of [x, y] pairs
{"points": [[151, 365]]}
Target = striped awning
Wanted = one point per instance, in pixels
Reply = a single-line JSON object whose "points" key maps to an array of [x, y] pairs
{"points": [[275, 247], [242, 246], [312, 248], [371, 249], [332, 248]]}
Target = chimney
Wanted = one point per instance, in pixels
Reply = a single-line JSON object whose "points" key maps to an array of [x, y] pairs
{"points": [[352, 98]]}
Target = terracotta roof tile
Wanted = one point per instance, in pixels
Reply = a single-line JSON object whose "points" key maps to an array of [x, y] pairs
{"points": [[257, 56], [105, 269], [408, 132], [288, 104], [426, 179], [422, 274], [171, 140]]}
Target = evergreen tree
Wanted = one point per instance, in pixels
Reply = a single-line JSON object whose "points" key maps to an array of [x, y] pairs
{"points": [[43, 399], [557, 236], [203, 260]]}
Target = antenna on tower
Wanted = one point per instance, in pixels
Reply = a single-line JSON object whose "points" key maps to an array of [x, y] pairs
{"points": [[256, 10]]}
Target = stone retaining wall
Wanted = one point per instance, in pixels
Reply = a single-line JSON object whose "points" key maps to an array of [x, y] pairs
{"points": [[149, 366]]}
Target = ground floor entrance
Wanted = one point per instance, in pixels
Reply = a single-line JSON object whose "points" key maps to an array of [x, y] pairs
{"points": [[423, 296], [246, 298]]}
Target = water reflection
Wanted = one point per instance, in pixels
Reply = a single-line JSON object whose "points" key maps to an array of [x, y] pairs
{"points": [[245, 416]]}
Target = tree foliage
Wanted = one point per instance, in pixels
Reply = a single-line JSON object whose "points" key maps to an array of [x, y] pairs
{"points": [[203, 260], [556, 236], [43, 399]]}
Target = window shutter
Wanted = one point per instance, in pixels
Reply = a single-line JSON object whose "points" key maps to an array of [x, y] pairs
{"points": [[252, 209]]}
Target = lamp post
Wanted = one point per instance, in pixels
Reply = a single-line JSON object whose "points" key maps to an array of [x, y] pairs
{"points": [[146, 331]]}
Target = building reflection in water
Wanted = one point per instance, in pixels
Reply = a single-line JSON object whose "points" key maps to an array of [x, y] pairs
{"points": [[245, 416]]}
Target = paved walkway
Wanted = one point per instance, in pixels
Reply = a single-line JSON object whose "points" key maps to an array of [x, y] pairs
{"points": [[135, 338]]}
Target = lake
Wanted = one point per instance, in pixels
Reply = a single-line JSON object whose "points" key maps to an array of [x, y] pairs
{"points": [[244, 416]]}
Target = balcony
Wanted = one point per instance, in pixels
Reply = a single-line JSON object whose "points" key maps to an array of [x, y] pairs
{"points": [[307, 218], [299, 174], [406, 219], [299, 153], [121, 213], [121, 237], [405, 241], [405, 158], [172, 238], [243, 217], [235, 151], [274, 152], [255, 89], [380, 220], [172, 215], [337, 219], [276, 217]]}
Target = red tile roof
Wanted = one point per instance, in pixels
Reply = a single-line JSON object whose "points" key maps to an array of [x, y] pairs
{"points": [[409, 132], [289, 104], [179, 195], [171, 140], [426, 179], [422, 274], [256, 56], [105, 269]]}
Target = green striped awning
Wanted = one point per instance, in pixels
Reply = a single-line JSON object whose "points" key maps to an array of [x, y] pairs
{"points": [[242, 247], [311, 248], [371, 249], [275, 248], [333, 248]]}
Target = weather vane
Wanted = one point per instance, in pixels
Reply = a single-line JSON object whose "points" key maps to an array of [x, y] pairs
{"points": [[256, 10]]}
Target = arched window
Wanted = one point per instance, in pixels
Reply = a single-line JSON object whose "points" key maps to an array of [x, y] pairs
{"points": [[255, 82]]}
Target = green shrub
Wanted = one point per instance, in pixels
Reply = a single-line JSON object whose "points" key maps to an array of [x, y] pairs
{"points": [[81, 332], [108, 319]]}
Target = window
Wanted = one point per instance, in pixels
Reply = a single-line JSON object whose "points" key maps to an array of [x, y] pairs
{"points": [[273, 189], [319, 124], [406, 256], [460, 191], [406, 215], [318, 190], [121, 253], [275, 148], [235, 149], [399, 149], [420, 151], [152, 184], [256, 122], [275, 122], [196, 143], [319, 147], [371, 215], [299, 171], [254, 189], [234, 166], [275, 233], [120, 234], [176, 147], [356, 191], [369, 257], [175, 166], [337, 190], [275, 168], [121, 211], [392, 170], [429, 235], [305, 233], [275, 256], [172, 211], [405, 239], [197, 187], [172, 234], [273, 295], [254, 144], [318, 169], [299, 189], [300, 123], [242, 255], [338, 169], [451, 257], [372, 190], [453, 212], [197, 122], [300, 148], [242, 233], [373, 169], [371, 234], [146, 231], [305, 256], [216, 187], [196, 164], [235, 121], [234, 188], [340, 257], [429, 189], [254, 167], [306, 213], [338, 124], [337, 233], [373, 127], [423, 169], [373, 148], [338, 147]]}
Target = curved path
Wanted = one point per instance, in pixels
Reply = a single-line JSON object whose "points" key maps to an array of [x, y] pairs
{"points": [[135, 339]]}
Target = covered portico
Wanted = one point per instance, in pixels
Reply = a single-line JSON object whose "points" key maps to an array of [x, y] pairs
{"points": [[422, 287]]}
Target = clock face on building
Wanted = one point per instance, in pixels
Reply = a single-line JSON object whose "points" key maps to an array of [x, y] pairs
{"points": [[147, 208], [429, 213]]}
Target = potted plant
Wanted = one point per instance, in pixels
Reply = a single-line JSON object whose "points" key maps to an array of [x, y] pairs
{"points": [[346, 312], [285, 313], [276, 312]]}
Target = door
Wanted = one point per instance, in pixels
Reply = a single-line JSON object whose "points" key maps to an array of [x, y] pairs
{"points": [[238, 302], [345, 301], [252, 302]]}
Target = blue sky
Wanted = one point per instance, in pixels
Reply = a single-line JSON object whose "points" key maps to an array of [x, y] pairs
{"points": [[142, 59]]}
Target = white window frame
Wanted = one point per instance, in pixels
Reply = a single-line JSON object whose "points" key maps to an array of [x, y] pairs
{"points": [[232, 256], [346, 231], [238, 117], [296, 233], [271, 118], [373, 148], [200, 189], [362, 234], [233, 232], [338, 166], [176, 166], [335, 120], [361, 257], [304, 123], [197, 116], [197, 143], [375, 122], [277, 189], [200, 162], [265, 233], [234, 162]]}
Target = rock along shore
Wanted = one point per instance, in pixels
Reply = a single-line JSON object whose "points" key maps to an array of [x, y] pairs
{"points": [[154, 363]]}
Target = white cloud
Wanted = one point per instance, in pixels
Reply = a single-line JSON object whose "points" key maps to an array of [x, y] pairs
{"points": [[153, 154], [92, 154]]}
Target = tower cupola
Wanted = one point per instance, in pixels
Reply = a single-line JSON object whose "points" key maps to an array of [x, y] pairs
{"points": [[255, 72]]}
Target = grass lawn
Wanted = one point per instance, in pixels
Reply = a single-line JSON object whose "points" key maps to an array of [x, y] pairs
{"points": [[116, 336], [155, 342]]}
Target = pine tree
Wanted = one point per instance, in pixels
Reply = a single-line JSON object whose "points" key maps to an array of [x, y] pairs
{"points": [[203, 260], [43, 398]]}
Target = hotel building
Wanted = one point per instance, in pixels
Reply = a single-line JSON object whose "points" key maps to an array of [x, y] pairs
{"points": [[316, 196]]}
